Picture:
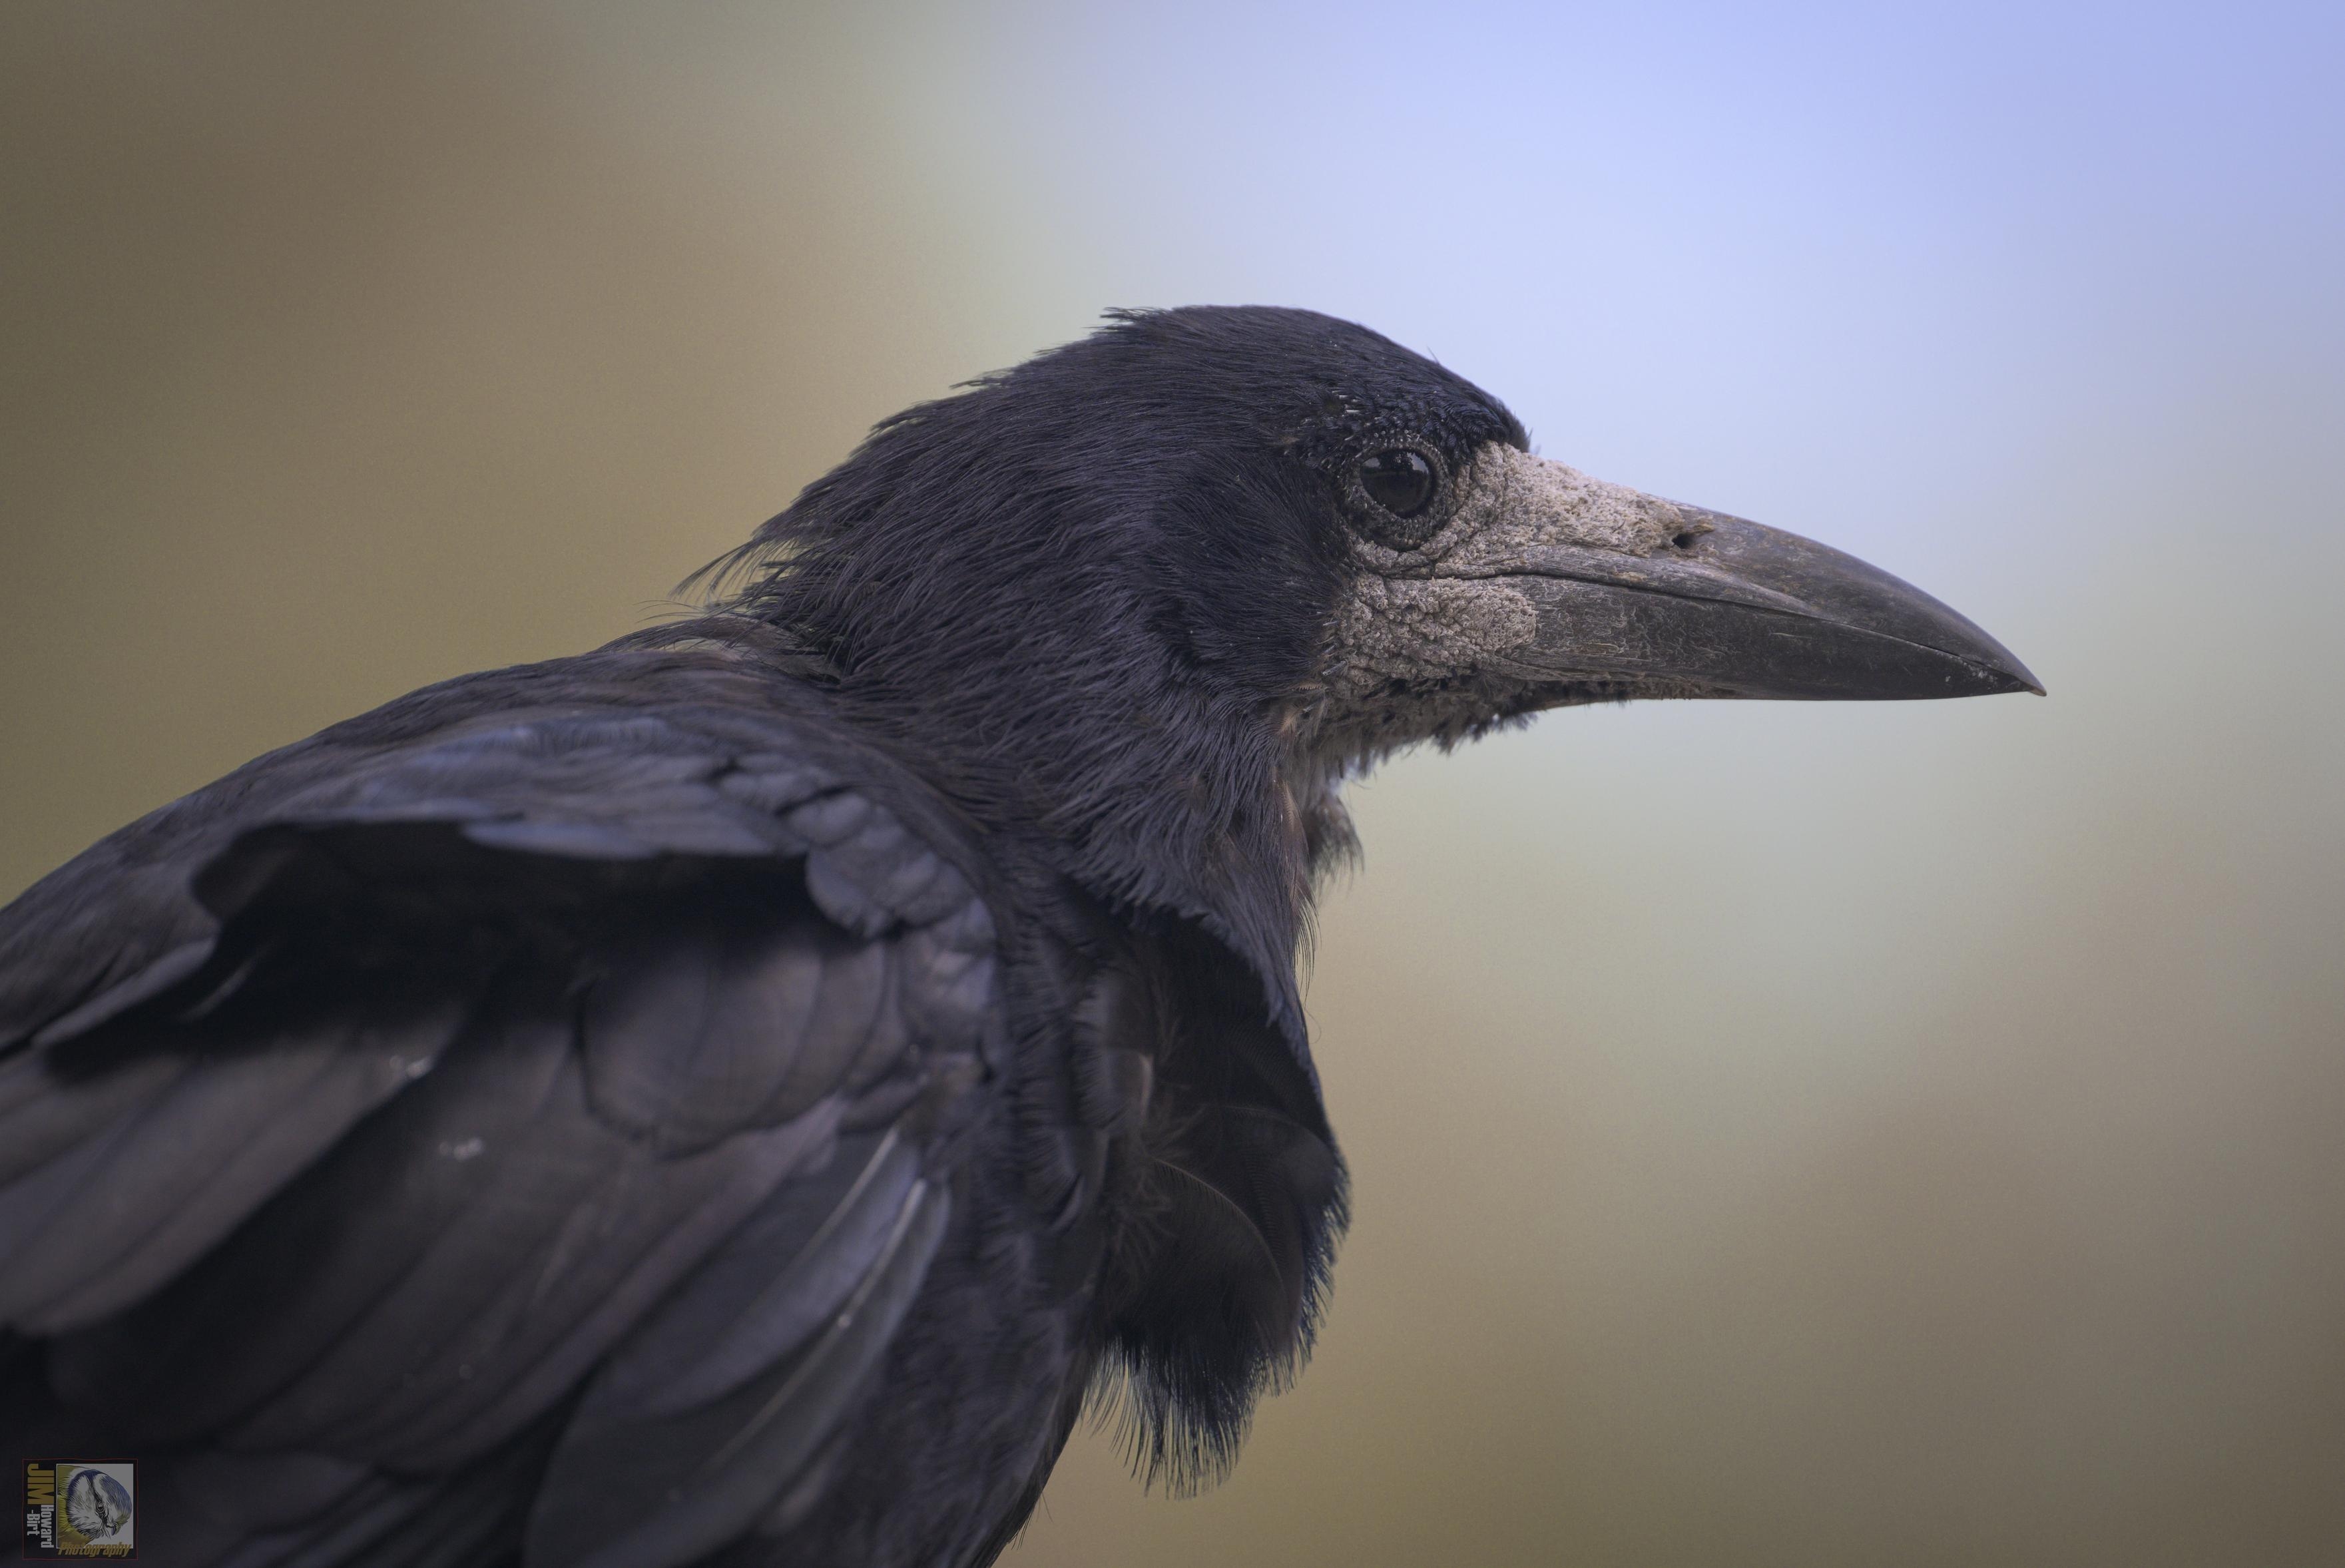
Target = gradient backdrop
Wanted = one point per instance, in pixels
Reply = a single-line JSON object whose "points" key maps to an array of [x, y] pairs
{"points": [[1803, 1135]]}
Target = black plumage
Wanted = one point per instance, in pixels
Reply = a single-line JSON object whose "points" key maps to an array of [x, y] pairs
{"points": [[726, 1098]]}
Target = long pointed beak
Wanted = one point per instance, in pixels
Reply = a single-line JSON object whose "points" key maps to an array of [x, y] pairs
{"points": [[1736, 609]]}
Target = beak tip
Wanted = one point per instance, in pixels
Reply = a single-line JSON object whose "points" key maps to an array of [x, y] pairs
{"points": [[1996, 663], [2016, 677]]}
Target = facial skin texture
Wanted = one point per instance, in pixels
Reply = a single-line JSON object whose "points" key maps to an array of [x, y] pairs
{"points": [[1440, 626]]}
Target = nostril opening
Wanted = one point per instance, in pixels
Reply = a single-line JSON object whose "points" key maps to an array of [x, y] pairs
{"points": [[1684, 541]]}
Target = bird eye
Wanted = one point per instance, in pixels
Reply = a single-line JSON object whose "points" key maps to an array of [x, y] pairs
{"points": [[1399, 480]]}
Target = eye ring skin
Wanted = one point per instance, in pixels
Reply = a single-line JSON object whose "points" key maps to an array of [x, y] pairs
{"points": [[1389, 528]]}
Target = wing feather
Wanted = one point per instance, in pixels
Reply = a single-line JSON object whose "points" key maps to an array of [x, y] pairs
{"points": [[464, 1071], [168, 1184], [658, 1492]]}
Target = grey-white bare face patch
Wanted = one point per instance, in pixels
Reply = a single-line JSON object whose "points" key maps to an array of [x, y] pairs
{"points": [[1425, 641], [1412, 631], [1512, 505]]}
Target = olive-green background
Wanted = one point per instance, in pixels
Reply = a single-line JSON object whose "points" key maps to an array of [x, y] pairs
{"points": [[1781, 1135]]}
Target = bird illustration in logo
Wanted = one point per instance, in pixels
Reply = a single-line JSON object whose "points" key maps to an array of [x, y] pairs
{"points": [[96, 1504]]}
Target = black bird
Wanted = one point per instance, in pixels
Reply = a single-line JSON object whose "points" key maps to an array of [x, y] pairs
{"points": [[725, 1097]]}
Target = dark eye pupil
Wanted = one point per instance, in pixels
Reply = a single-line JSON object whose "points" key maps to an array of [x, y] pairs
{"points": [[1400, 481]]}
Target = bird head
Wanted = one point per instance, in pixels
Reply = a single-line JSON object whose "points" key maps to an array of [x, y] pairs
{"points": [[1161, 589]]}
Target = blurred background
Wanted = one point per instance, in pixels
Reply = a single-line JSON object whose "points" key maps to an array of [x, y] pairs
{"points": [[1781, 1135]]}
